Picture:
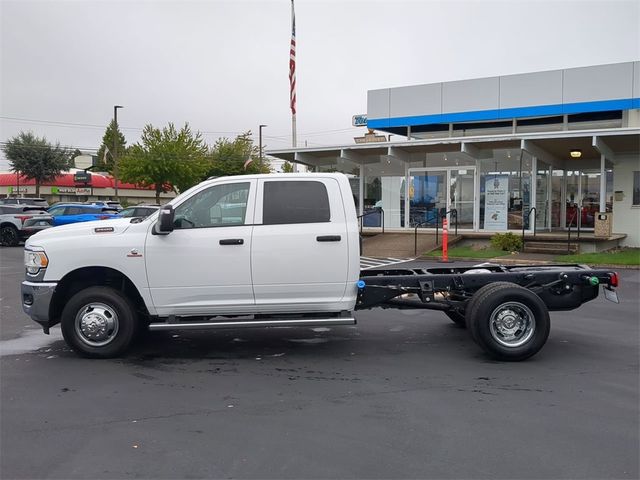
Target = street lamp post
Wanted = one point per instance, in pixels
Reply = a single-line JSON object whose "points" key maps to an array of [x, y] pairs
{"points": [[115, 148], [260, 139]]}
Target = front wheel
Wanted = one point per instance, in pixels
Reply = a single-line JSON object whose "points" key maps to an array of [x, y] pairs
{"points": [[509, 322], [99, 322]]}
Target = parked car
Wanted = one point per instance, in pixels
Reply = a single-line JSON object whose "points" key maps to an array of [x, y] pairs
{"points": [[141, 211], [36, 202], [19, 222], [106, 204], [74, 213]]}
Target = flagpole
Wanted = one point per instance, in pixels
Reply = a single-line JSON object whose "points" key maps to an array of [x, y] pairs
{"points": [[293, 131]]}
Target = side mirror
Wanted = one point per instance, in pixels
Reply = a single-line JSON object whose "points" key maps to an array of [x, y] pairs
{"points": [[164, 226]]}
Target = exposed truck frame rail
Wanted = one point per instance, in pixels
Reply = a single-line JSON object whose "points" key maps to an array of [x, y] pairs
{"points": [[506, 308]]}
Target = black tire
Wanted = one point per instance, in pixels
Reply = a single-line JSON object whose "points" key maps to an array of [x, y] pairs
{"points": [[508, 321], [109, 319], [480, 293], [457, 318], [9, 236]]}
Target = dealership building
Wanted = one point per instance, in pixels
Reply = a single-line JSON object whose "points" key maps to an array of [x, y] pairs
{"points": [[548, 151]]}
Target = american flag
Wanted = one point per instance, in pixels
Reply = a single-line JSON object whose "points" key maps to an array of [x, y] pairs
{"points": [[292, 62]]}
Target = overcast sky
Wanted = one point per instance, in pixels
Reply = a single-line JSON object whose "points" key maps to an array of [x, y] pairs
{"points": [[222, 66]]}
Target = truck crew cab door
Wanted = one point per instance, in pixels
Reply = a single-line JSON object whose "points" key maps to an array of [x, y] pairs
{"points": [[203, 266], [299, 255]]}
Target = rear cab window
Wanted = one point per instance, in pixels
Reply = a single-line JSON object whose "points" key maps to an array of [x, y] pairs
{"points": [[297, 201], [288, 202]]}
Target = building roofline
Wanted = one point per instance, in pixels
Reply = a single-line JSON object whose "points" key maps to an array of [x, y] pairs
{"points": [[465, 139]]}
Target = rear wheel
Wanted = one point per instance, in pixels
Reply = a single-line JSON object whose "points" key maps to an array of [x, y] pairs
{"points": [[509, 322], [480, 296], [9, 236], [99, 322]]}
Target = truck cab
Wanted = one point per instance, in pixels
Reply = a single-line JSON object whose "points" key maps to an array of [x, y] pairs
{"points": [[262, 245]]}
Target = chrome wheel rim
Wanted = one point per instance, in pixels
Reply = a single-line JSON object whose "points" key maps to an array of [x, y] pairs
{"points": [[96, 324], [512, 324]]}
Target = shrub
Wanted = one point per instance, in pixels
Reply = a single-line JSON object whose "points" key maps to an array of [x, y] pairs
{"points": [[508, 242]]}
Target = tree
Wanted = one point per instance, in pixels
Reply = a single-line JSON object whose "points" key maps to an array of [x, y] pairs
{"points": [[106, 165], [166, 159], [230, 157], [35, 158], [287, 167]]}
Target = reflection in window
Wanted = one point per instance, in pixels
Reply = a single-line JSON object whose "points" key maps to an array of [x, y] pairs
{"points": [[217, 206]]}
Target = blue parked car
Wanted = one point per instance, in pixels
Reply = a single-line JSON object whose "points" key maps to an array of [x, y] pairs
{"points": [[64, 214]]}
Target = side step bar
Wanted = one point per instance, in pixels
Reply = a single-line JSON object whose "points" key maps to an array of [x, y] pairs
{"points": [[302, 322]]}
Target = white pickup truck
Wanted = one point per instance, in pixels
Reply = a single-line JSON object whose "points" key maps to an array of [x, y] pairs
{"points": [[269, 251]]}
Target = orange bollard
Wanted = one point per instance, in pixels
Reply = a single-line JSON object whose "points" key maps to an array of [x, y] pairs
{"points": [[445, 240]]}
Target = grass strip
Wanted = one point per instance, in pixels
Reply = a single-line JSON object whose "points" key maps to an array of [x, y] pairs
{"points": [[628, 256]]}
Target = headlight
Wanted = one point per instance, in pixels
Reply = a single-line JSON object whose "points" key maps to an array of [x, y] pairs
{"points": [[34, 261]]}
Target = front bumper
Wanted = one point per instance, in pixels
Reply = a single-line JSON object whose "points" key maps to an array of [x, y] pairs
{"points": [[36, 299]]}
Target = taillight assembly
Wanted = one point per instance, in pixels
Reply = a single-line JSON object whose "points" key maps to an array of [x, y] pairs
{"points": [[22, 217], [613, 277], [103, 217]]}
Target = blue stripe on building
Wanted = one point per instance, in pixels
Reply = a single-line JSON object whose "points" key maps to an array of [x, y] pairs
{"points": [[506, 113]]}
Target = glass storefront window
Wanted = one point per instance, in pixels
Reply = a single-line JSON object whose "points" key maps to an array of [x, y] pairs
{"points": [[609, 195], [346, 166], [557, 179], [542, 196], [384, 191], [505, 189]]}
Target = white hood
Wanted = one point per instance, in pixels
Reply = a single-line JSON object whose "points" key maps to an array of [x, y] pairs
{"points": [[115, 226]]}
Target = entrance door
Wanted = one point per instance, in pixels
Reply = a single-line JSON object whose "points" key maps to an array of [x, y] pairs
{"points": [[582, 198], [427, 196], [433, 192], [461, 195]]}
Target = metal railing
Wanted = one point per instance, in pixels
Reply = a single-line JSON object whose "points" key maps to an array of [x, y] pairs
{"points": [[577, 217], [528, 218], [377, 210], [454, 214], [415, 233]]}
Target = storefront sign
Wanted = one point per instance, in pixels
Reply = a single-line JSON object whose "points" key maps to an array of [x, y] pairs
{"points": [[16, 190], [359, 120], [82, 177], [71, 190], [496, 202]]}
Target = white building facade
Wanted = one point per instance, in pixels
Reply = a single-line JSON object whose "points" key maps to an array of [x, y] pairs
{"points": [[547, 150]]}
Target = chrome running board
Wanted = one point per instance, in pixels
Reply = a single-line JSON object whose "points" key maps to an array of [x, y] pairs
{"points": [[302, 322]]}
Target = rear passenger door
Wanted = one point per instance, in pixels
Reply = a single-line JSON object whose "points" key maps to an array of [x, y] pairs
{"points": [[299, 254]]}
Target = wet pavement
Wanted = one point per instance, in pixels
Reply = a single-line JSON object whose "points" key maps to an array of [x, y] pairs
{"points": [[404, 394]]}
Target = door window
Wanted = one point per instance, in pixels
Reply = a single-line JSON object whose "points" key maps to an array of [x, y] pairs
{"points": [[295, 202], [217, 206], [77, 210], [56, 211]]}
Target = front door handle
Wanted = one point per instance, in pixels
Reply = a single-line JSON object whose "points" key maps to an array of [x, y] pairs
{"points": [[232, 241], [329, 238]]}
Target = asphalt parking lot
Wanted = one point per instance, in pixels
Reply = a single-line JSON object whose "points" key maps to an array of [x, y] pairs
{"points": [[404, 394]]}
